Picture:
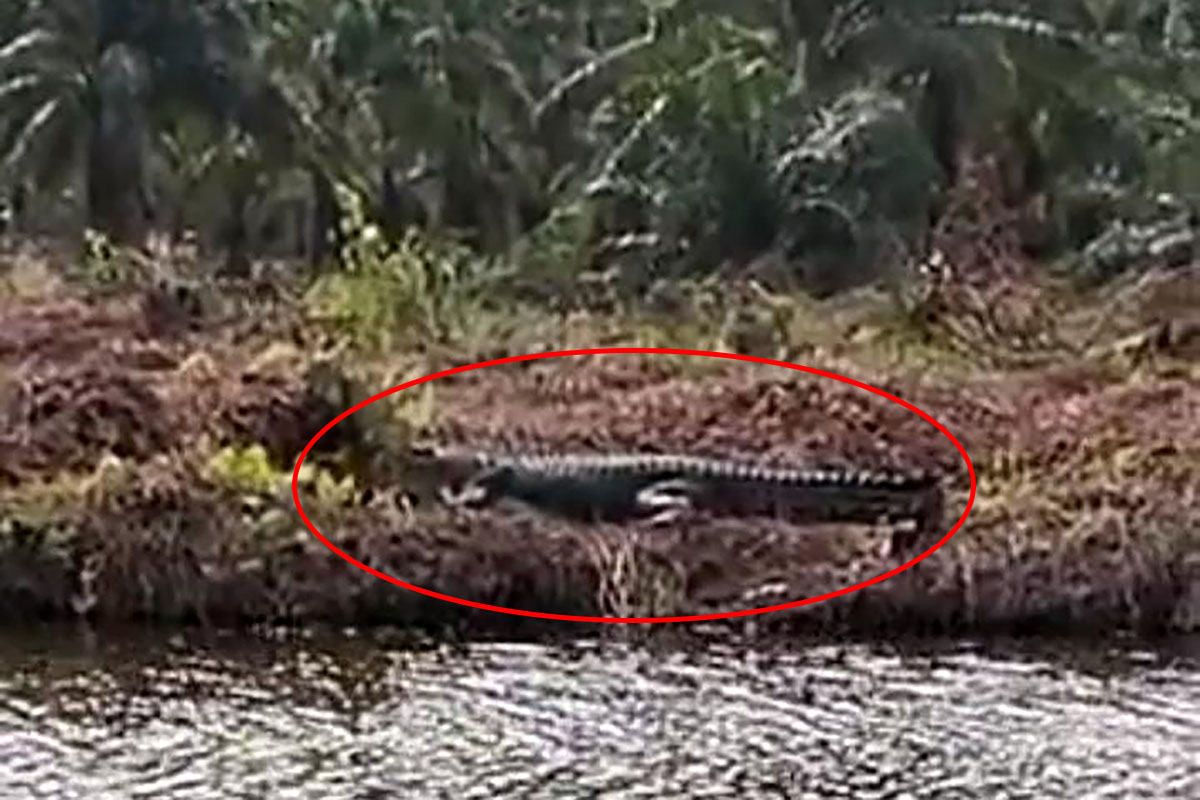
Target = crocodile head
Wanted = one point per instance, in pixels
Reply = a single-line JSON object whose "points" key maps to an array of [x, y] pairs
{"points": [[430, 469]]}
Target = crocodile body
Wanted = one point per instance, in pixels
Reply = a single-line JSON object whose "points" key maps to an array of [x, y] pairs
{"points": [[665, 488]]}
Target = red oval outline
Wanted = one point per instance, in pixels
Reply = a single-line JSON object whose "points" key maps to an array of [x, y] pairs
{"points": [[668, 351]]}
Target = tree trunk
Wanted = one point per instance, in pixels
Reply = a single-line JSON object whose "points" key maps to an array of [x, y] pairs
{"points": [[236, 236], [116, 198], [325, 230]]}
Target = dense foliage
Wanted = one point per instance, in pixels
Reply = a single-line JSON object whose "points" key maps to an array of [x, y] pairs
{"points": [[644, 138]]}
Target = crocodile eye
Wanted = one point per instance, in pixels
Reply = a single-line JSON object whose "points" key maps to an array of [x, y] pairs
{"points": [[498, 476]]}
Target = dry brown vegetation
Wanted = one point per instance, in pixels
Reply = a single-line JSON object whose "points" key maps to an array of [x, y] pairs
{"points": [[132, 486], [1086, 514]]}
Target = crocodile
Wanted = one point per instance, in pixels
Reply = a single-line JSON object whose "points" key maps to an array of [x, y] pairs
{"points": [[664, 488]]}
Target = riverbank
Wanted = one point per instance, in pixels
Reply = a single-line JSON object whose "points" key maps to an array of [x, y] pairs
{"points": [[148, 451]]}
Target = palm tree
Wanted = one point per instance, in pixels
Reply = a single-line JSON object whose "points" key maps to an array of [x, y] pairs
{"points": [[88, 86], [73, 113]]}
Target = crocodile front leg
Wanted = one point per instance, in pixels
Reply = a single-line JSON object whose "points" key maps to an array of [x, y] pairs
{"points": [[470, 496], [479, 491], [667, 501]]}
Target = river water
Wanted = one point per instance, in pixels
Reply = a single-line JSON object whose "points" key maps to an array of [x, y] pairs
{"points": [[128, 717]]}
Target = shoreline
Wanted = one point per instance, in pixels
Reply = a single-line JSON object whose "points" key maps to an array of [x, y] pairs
{"points": [[153, 483]]}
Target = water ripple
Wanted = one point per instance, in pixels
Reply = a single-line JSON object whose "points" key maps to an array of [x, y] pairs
{"points": [[517, 721]]}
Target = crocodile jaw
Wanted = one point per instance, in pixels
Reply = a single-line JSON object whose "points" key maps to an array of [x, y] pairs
{"points": [[431, 471]]}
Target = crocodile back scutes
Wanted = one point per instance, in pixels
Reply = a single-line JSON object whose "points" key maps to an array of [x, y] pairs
{"points": [[700, 468]]}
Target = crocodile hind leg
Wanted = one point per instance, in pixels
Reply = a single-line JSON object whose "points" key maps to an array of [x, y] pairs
{"points": [[667, 501]]}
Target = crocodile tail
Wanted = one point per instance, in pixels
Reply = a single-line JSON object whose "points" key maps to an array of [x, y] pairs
{"points": [[910, 480], [866, 479]]}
